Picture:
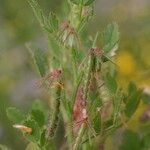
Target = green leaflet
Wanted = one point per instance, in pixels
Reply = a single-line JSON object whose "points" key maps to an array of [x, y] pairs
{"points": [[131, 88], [38, 105], [117, 101], [110, 83], [38, 117], [43, 138], [36, 132], [132, 103], [15, 115], [130, 141], [110, 38], [40, 60], [53, 21], [32, 146], [97, 123], [83, 2], [50, 23], [35, 120], [38, 12]]}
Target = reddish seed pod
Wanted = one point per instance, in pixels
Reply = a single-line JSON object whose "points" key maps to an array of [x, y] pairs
{"points": [[71, 30], [53, 75], [96, 51], [66, 28], [65, 25], [79, 111], [56, 73]]}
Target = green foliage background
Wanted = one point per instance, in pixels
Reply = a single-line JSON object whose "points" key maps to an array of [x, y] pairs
{"points": [[18, 26]]}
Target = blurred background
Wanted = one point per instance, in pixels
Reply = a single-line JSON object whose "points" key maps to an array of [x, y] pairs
{"points": [[17, 74]]}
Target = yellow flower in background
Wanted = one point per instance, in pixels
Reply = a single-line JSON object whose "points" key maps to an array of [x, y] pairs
{"points": [[126, 64]]}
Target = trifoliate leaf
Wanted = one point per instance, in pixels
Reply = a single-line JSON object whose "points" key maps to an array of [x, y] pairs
{"points": [[15, 115], [110, 39], [50, 23], [130, 141]]}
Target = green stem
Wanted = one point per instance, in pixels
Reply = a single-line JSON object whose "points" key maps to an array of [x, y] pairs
{"points": [[90, 67], [70, 135], [88, 76], [68, 129], [78, 81], [74, 64], [67, 120]]}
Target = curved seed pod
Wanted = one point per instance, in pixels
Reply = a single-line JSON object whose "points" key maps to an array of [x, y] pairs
{"points": [[88, 73], [53, 122], [79, 110]]}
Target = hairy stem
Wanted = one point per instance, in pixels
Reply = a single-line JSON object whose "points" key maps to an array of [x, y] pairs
{"points": [[53, 123]]}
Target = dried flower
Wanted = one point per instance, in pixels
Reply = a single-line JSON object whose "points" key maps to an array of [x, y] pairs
{"points": [[23, 128]]}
